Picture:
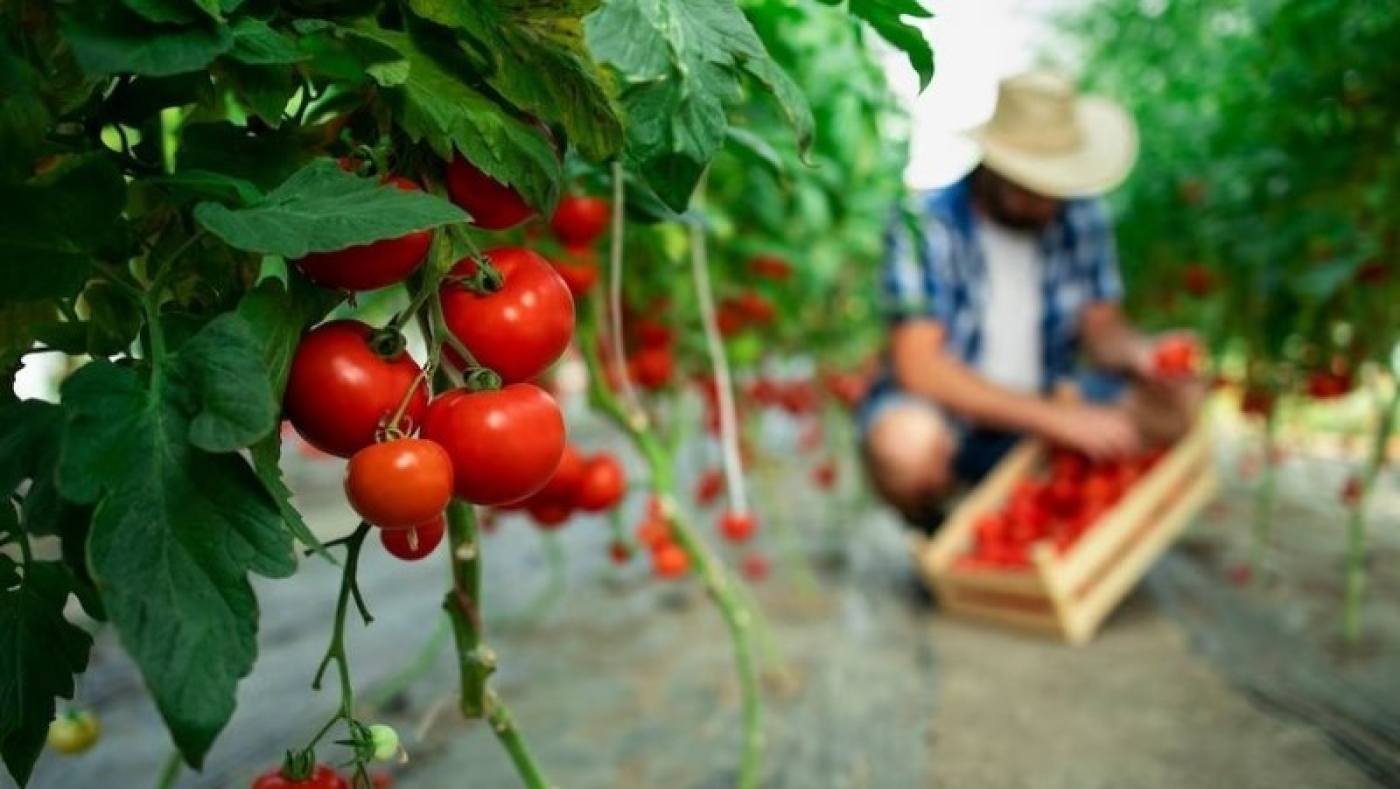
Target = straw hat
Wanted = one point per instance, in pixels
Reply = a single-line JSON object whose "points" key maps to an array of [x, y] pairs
{"points": [[1046, 137]]}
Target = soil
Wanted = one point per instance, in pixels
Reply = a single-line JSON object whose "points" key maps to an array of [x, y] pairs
{"points": [[619, 680]]}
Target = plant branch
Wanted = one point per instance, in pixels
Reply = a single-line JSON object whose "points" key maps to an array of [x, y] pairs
{"points": [[615, 249], [503, 725]]}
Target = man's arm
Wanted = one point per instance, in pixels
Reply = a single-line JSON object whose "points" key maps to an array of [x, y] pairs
{"points": [[1112, 342], [923, 367]]}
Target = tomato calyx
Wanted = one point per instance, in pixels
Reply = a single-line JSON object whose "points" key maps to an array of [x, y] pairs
{"points": [[482, 379], [388, 343], [483, 282], [299, 765]]}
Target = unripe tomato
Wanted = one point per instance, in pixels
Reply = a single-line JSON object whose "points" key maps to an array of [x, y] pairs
{"points": [[340, 391], [521, 329], [398, 484], [370, 266], [74, 731], [417, 542], [580, 220], [504, 444]]}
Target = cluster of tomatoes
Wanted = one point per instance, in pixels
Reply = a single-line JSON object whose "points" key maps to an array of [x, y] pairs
{"points": [[589, 484], [1058, 508], [355, 392]]}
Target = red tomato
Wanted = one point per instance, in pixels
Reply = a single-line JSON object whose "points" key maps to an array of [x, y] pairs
{"points": [[1351, 491], [619, 552], [1328, 385], [1176, 356], [563, 486], [580, 220], [339, 391], [730, 319], [398, 484], [651, 334], [370, 266], [504, 444], [415, 543], [550, 515], [1257, 402], [323, 777], [824, 475], [770, 267], [651, 368], [754, 307], [1198, 280], [578, 267], [708, 487], [654, 533], [603, 484], [754, 566], [521, 329], [492, 204], [737, 527], [670, 561]]}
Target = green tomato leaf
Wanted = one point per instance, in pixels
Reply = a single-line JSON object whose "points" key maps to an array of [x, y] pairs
{"points": [[682, 62], [264, 160], [264, 90], [323, 208], [40, 652], [436, 105], [24, 118], [108, 39], [540, 63], [175, 534], [175, 11], [887, 18], [222, 367], [188, 185], [255, 43], [44, 253]]}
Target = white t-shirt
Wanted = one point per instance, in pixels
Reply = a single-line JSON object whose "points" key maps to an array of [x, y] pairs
{"points": [[1011, 341]]}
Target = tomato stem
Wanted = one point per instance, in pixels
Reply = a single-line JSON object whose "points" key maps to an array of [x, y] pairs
{"points": [[615, 267], [1264, 497], [335, 651], [504, 727], [738, 617], [461, 603], [1355, 586], [171, 771]]}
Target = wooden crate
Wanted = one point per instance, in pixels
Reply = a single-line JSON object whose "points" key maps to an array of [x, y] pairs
{"points": [[1069, 595]]}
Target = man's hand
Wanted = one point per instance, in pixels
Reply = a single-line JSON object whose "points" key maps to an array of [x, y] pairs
{"points": [[1159, 360], [1101, 432]]}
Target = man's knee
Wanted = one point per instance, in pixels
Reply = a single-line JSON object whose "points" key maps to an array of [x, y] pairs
{"points": [[908, 454]]}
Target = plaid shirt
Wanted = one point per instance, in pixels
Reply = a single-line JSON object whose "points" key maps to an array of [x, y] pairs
{"points": [[944, 277]]}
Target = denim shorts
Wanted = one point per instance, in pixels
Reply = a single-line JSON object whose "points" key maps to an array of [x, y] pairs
{"points": [[979, 448]]}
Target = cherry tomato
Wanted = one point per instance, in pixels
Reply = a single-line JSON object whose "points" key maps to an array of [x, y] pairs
{"points": [[619, 552], [824, 475], [603, 485], [340, 391], [651, 368], [654, 533], [708, 487], [730, 319], [1176, 356], [521, 329], [580, 220], [737, 527], [549, 515], [504, 444], [770, 267], [652, 334], [754, 307], [398, 484], [322, 777], [579, 270], [1197, 280], [1351, 491], [562, 487], [415, 543], [74, 731], [491, 204], [370, 266], [754, 566], [669, 561]]}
